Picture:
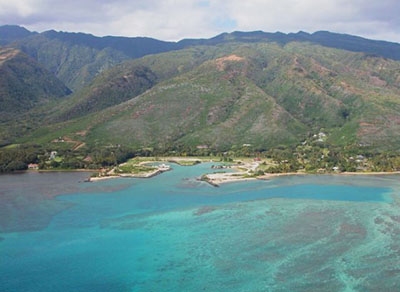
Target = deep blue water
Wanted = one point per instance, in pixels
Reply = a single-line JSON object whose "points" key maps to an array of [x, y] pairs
{"points": [[174, 233]]}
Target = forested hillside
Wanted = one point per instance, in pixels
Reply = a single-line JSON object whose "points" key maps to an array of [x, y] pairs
{"points": [[259, 94], [236, 93], [76, 58], [24, 85]]}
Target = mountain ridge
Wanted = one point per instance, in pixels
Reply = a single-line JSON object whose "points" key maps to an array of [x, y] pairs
{"points": [[297, 85], [148, 45], [100, 53], [266, 90]]}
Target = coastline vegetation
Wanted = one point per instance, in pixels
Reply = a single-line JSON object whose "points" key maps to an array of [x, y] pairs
{"points": [[308, 157]]}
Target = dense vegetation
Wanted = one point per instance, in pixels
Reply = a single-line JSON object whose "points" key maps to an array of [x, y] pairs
{"points": [[24, 84], [260, 94], [317, 157], [76, 58], [304, 106]]}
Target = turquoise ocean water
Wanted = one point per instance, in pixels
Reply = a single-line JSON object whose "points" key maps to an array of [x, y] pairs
{"points": [[174, 233]]}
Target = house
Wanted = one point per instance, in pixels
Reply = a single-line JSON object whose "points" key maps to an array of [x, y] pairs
{"points": [[33, 166], [360, 158], [53, 155], [88, 159], [321, 137]]}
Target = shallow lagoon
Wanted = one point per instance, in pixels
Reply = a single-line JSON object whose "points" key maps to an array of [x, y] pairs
{"points": [[174, 233]]}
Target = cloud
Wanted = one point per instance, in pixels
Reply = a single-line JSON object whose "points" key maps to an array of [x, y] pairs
{"points": [[359, 17], [177, 19]]}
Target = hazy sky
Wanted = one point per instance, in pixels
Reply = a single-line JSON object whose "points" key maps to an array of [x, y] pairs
{"points": [[178, 19]]}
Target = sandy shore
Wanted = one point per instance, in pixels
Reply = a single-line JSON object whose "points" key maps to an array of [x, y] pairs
{"points": [[244, 172], [221, 178], [111, 174], [369, 173], [217, 179], [178, 160], [147, 175]]}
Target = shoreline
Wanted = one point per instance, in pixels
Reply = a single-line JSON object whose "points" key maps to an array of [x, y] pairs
{"points": [[221, 178], [111, 174], [217, 179], [124, 175], [244, 171]]}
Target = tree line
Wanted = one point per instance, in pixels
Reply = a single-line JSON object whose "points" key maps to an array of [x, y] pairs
{"points": [[309, 158]]}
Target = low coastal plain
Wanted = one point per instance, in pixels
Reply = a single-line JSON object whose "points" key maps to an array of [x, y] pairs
{"points": [[221, 172]]}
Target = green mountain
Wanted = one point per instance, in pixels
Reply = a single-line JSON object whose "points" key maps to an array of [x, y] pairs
{"points": [[325, 38], [76, 58], [259, 94], [24, 85], [74, 64], [130, 79], [12, 33], [257, 90]]}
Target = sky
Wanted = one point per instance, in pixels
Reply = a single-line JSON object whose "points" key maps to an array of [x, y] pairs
{"points": [[173, 20]]}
